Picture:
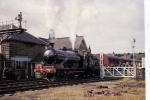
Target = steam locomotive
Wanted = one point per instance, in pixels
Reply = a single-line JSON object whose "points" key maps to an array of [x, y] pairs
{"points": [[69, 64]]}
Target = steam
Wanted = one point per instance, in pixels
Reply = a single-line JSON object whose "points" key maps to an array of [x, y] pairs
{"points": [[96, 18], [63, 16]]}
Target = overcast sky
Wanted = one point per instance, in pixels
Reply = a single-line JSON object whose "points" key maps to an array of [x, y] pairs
{"points": [[107, 25]]}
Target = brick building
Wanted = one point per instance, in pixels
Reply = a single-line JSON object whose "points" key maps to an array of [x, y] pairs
{"points": [[18, 50]]}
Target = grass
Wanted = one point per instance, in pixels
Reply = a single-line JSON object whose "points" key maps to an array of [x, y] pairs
{"points": [[80, 93]]}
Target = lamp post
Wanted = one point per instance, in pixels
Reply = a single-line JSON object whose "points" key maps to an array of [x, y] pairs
{"points": [[102, 73], [133, 46], [135, 69]]}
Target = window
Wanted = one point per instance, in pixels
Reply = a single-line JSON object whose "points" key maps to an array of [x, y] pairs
{"points": [[21, 64]]}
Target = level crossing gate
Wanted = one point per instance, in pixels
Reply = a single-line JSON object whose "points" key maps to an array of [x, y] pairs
{"points": [[116, 71]]}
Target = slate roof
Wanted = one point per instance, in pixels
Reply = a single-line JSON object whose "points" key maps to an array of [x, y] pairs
{"points": [[43, 39], [59, 42], [78, 42], [38, 58], [26, 37], [23, 37], [65, 41]]}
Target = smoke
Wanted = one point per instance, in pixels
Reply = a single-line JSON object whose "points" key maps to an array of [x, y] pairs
{"points": [[65, 17]]}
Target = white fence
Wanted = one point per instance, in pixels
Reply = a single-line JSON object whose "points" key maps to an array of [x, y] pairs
{"points": [[123, 72], [119, 71]]}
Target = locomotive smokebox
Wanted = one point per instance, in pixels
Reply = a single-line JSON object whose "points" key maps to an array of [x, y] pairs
{"points": [[49, 56]]}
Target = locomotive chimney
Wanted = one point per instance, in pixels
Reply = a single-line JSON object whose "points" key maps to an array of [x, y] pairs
{"points": [[51, 38], [52, 45]]}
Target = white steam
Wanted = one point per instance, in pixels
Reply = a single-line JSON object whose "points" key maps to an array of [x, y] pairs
{"points": [[65, 16]]}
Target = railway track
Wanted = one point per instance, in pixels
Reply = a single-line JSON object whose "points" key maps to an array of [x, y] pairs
{"points": [[34, 84]]}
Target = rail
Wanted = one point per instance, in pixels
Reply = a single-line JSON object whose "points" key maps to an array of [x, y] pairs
{"points": [[34, 84]]}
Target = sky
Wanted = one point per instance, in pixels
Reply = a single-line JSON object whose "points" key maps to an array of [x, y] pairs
{"points": [[107, 25]]}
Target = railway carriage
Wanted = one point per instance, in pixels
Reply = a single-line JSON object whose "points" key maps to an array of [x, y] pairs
{"points": [[115, 61]]}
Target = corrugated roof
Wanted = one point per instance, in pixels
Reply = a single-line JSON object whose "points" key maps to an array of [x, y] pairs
{"points": [[23, 37]]}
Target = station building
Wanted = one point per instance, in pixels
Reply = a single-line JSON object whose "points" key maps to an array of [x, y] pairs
{"points": [[18, 50]]}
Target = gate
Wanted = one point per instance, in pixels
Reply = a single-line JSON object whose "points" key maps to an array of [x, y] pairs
{"points": [[119, 71]]}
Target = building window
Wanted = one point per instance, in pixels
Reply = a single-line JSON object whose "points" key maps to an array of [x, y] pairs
{"points": [[21, 64]]}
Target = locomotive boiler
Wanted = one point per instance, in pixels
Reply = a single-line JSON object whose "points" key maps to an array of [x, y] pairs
{"points": [[63, 63], [63, 57]]}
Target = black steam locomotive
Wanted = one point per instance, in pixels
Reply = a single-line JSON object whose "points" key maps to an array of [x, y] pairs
{"points": [[63, 63]]}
